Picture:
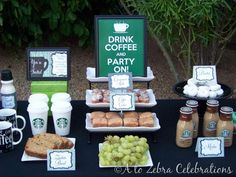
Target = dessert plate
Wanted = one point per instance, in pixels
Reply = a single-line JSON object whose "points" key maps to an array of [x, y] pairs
{"points": [[91, 76], [148, 164], [152, 101], [26, 157], [179, 88], [90, 128]]}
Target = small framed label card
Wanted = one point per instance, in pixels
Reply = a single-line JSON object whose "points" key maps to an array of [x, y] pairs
{"points": [[210, 147], [118, 81], [205, 74], [61, 160], [122, 102], [120, 45], [48, 64]]}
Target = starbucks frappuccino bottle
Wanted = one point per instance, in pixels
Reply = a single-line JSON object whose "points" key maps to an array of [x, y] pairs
{"points": [[195, 118], [184, 129], [211, 117], [225, 125]]}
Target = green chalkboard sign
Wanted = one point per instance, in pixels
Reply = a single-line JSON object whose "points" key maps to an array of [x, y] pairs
{"points": [[120, 45]]}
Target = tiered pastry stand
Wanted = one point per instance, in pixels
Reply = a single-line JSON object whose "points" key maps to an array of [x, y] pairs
{"points": [[91, 77]]}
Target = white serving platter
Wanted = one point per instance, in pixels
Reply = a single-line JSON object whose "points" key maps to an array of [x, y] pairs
{"points": [[148, 164], [26, 157], [90, 128], [88, 97], [91, 76]]}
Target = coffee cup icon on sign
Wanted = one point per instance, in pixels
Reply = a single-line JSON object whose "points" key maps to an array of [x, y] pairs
{"points": [[121, 27], [38, 66]]}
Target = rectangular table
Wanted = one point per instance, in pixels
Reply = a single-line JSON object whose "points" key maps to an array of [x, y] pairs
{"points": [[167, 158]]}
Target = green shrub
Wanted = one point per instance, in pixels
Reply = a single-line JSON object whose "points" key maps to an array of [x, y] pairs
{"points": [[43, 22], [190, 31]]}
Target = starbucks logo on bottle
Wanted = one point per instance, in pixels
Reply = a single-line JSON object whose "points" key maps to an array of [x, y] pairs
{"points": [[186, 134], [212, 125], [38, 123], [225, 133], [62, 122]]}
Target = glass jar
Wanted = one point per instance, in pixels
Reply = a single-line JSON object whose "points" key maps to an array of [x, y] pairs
{"points": [[211, 118], [195, 117], [225, 125], [184, 129]]}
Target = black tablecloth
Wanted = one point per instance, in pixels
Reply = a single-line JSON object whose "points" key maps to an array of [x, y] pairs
{"points": [[168, 159]]}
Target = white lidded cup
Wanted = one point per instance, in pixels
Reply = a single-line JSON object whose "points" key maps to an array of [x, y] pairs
{"points": [[38, 97], [38, 114], [60, 97], [61, 113]]}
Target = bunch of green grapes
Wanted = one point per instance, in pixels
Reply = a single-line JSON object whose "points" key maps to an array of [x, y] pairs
{"points": [[125, 151]]}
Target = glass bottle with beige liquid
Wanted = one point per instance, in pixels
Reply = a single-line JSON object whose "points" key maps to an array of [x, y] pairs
{"points": [[184, 129], [195, 118], [225, 125], [211, 118]]}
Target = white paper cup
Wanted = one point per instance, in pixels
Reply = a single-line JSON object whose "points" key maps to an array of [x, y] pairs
{"points": [[61, 113], [38, 114], [38, 97], [60, 97]]}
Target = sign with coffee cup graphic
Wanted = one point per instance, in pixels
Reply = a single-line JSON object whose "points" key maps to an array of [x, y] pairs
{"points": [[120, 45], [48, 64]]}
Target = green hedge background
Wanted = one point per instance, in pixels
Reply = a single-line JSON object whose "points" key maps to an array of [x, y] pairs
{"points": [[48, 22]]}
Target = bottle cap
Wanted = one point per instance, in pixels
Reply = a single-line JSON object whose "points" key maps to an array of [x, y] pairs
{"points": [[213, 103], [186, 110], [6, 75], [226, 110], [192, 103]]}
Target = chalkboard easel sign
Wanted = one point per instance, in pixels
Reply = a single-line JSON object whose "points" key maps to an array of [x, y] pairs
{"points": [[48, 64], [120, 45]]}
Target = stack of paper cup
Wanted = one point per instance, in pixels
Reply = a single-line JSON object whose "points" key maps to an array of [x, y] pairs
{"points": [[61, 112], [61, 96], [38, 97], [38, 114]]}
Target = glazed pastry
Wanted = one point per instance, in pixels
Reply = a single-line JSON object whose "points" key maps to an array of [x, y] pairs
{"points": [[97, 114], [145, 115], [130, 122], [96, 96], [146, 122], [130, 115], [106, 96], [143, 96], [115, 122], [99, 122], [110, 115]]}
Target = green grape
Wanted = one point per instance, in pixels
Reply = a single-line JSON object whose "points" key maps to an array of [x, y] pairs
{"points": [[138, 149], [124, 145], [120, 154], [133, 149], [122, 139], [128, 150], [138, 155], [143, 139], [133, 159], [120, 149], [129, 145]]}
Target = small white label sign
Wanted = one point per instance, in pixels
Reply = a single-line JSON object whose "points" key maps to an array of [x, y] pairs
{"points": [[206, 73], [59, 64], [122, 101], [210, 147], [120, 81], [61, 160]]}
